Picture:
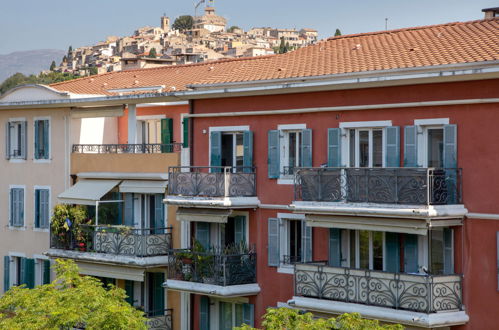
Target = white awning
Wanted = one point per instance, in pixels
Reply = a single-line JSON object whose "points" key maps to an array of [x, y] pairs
{"points": [[119, 272], [394, 225], [87, 192], [203, 215], [143, 187]]}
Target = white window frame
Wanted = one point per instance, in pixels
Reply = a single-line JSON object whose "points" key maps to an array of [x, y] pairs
{"points": [[284, 219], [35, 188], [39, 268], [216, 232], [284, 150], [141, 215], [215, 309], [422, 126], [371, 145], [24, 226], [346, 249], [13, 266], [224, 129], [49, 159], [18, 159]]}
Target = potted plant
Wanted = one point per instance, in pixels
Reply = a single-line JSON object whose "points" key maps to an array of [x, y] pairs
{"points": [[66, 229]]}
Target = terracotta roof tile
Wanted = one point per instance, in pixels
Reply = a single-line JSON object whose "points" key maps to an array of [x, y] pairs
{"points": [[452, 43]]}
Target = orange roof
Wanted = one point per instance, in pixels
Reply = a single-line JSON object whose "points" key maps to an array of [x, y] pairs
{"points": [[452, 43]]}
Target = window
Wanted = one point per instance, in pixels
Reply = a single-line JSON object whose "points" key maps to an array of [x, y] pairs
{"points": [[42, 134], [42, 208], [15, 140], [291, 153], [365, 250], [441, 251], [435, 138], [232, 147], [233, 150], [231, 233], [366, 147], [216, 314], [16, 207], [149, 131], [42, 271], [18, 271]]}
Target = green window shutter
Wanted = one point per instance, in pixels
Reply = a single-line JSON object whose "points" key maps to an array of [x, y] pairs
{"points": [[225, 316], [37, 208], [204, 313], [392, 146], [274, 155], [410, 146], [306, 241], [203, 234], [450, 162], [6, 273], [158, 293], [20, 193], [392, 252], [186, 132], [334, 147], [216, 150], [30, 273], [306, 148], [44, 208], [248, 151], [128, 206], [448, 260], [166, 135], [273, 242], [7, 140], [23, 272], [46, 271], [411, 253], [159, 213], [240, 229], [24, 140], [37, 142], [334, 247], [249, 314], [129, 292], [46, 139], [12, 202]]}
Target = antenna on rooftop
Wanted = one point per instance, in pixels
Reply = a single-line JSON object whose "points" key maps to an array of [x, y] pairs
{"points": [[197, 5]]}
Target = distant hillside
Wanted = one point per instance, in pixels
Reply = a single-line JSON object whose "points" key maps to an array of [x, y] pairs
{"points": [[28, 62]]}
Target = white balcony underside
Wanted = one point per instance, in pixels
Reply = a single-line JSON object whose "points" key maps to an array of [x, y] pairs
{"points": [[213, 202], [457, 211], [213, 290], [109, 258], [415, 319]]}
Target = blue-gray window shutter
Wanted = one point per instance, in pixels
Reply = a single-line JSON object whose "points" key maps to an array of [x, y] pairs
{"points": [[273, 242], [334, 247], [450, 162], [410, 146], [44, 211], [411, 253], [159, 213], [37, 142], [249, 314], [158, 293], [6, 273], [38, 213], [216, 150], [240, 229], [24, 140], [306, 242], [204, 313], [448, 261], [128, 206], [28, 272], [306, 148], [46, 271], [12, 203], [248, 151], [46, 145], [203, 234], [20, 193], [392, 146], [129, 292], [392, 252], [334, 147], [273, 160], [7, 140]]}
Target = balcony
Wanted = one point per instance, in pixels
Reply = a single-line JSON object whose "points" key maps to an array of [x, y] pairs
{"points": [[124, 158], [217, 272], [113, 244], [390, 296], [400, 192], [215, 186], [160, 320]]}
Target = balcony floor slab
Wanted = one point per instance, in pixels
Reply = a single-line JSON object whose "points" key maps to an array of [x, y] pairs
{"points": [[415, 319], [213, 202], [213, 290], [109, 258], [457, 211]]}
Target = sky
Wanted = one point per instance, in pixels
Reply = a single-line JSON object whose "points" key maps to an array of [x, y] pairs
{"points": [[56, 24]]}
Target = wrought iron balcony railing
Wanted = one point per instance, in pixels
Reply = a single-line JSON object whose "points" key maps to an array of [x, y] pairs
{"points": [[212, 181], [413, 186], [160, 319], [419, 293], [144, 148], [214, 267], [118, 240]]}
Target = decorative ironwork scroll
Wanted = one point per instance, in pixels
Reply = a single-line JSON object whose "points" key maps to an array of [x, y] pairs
{"points": [[144, 148]]}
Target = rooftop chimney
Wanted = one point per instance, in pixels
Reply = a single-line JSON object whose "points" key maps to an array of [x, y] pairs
{"points": [[491, 12]]}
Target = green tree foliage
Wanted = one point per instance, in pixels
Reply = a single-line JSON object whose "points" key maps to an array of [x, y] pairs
{"points": [[182, 23], [152, 53], [43, 78], [70, 50], [52, 66], [292, 319], [92, 71], [71, 301], [64, 59], [283, 47], [337, 33], [232, 28]]}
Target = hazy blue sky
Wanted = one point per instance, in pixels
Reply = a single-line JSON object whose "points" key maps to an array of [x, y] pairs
{"points": [[35, 24]]}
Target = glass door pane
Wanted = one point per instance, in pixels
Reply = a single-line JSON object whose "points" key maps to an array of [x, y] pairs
{"points": [[377, 250], [239, 152], [435, 147], [227, 149], [225, 316], [377, 148], [352, 148], [437, 251], [363, 249], [363, 148]]}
